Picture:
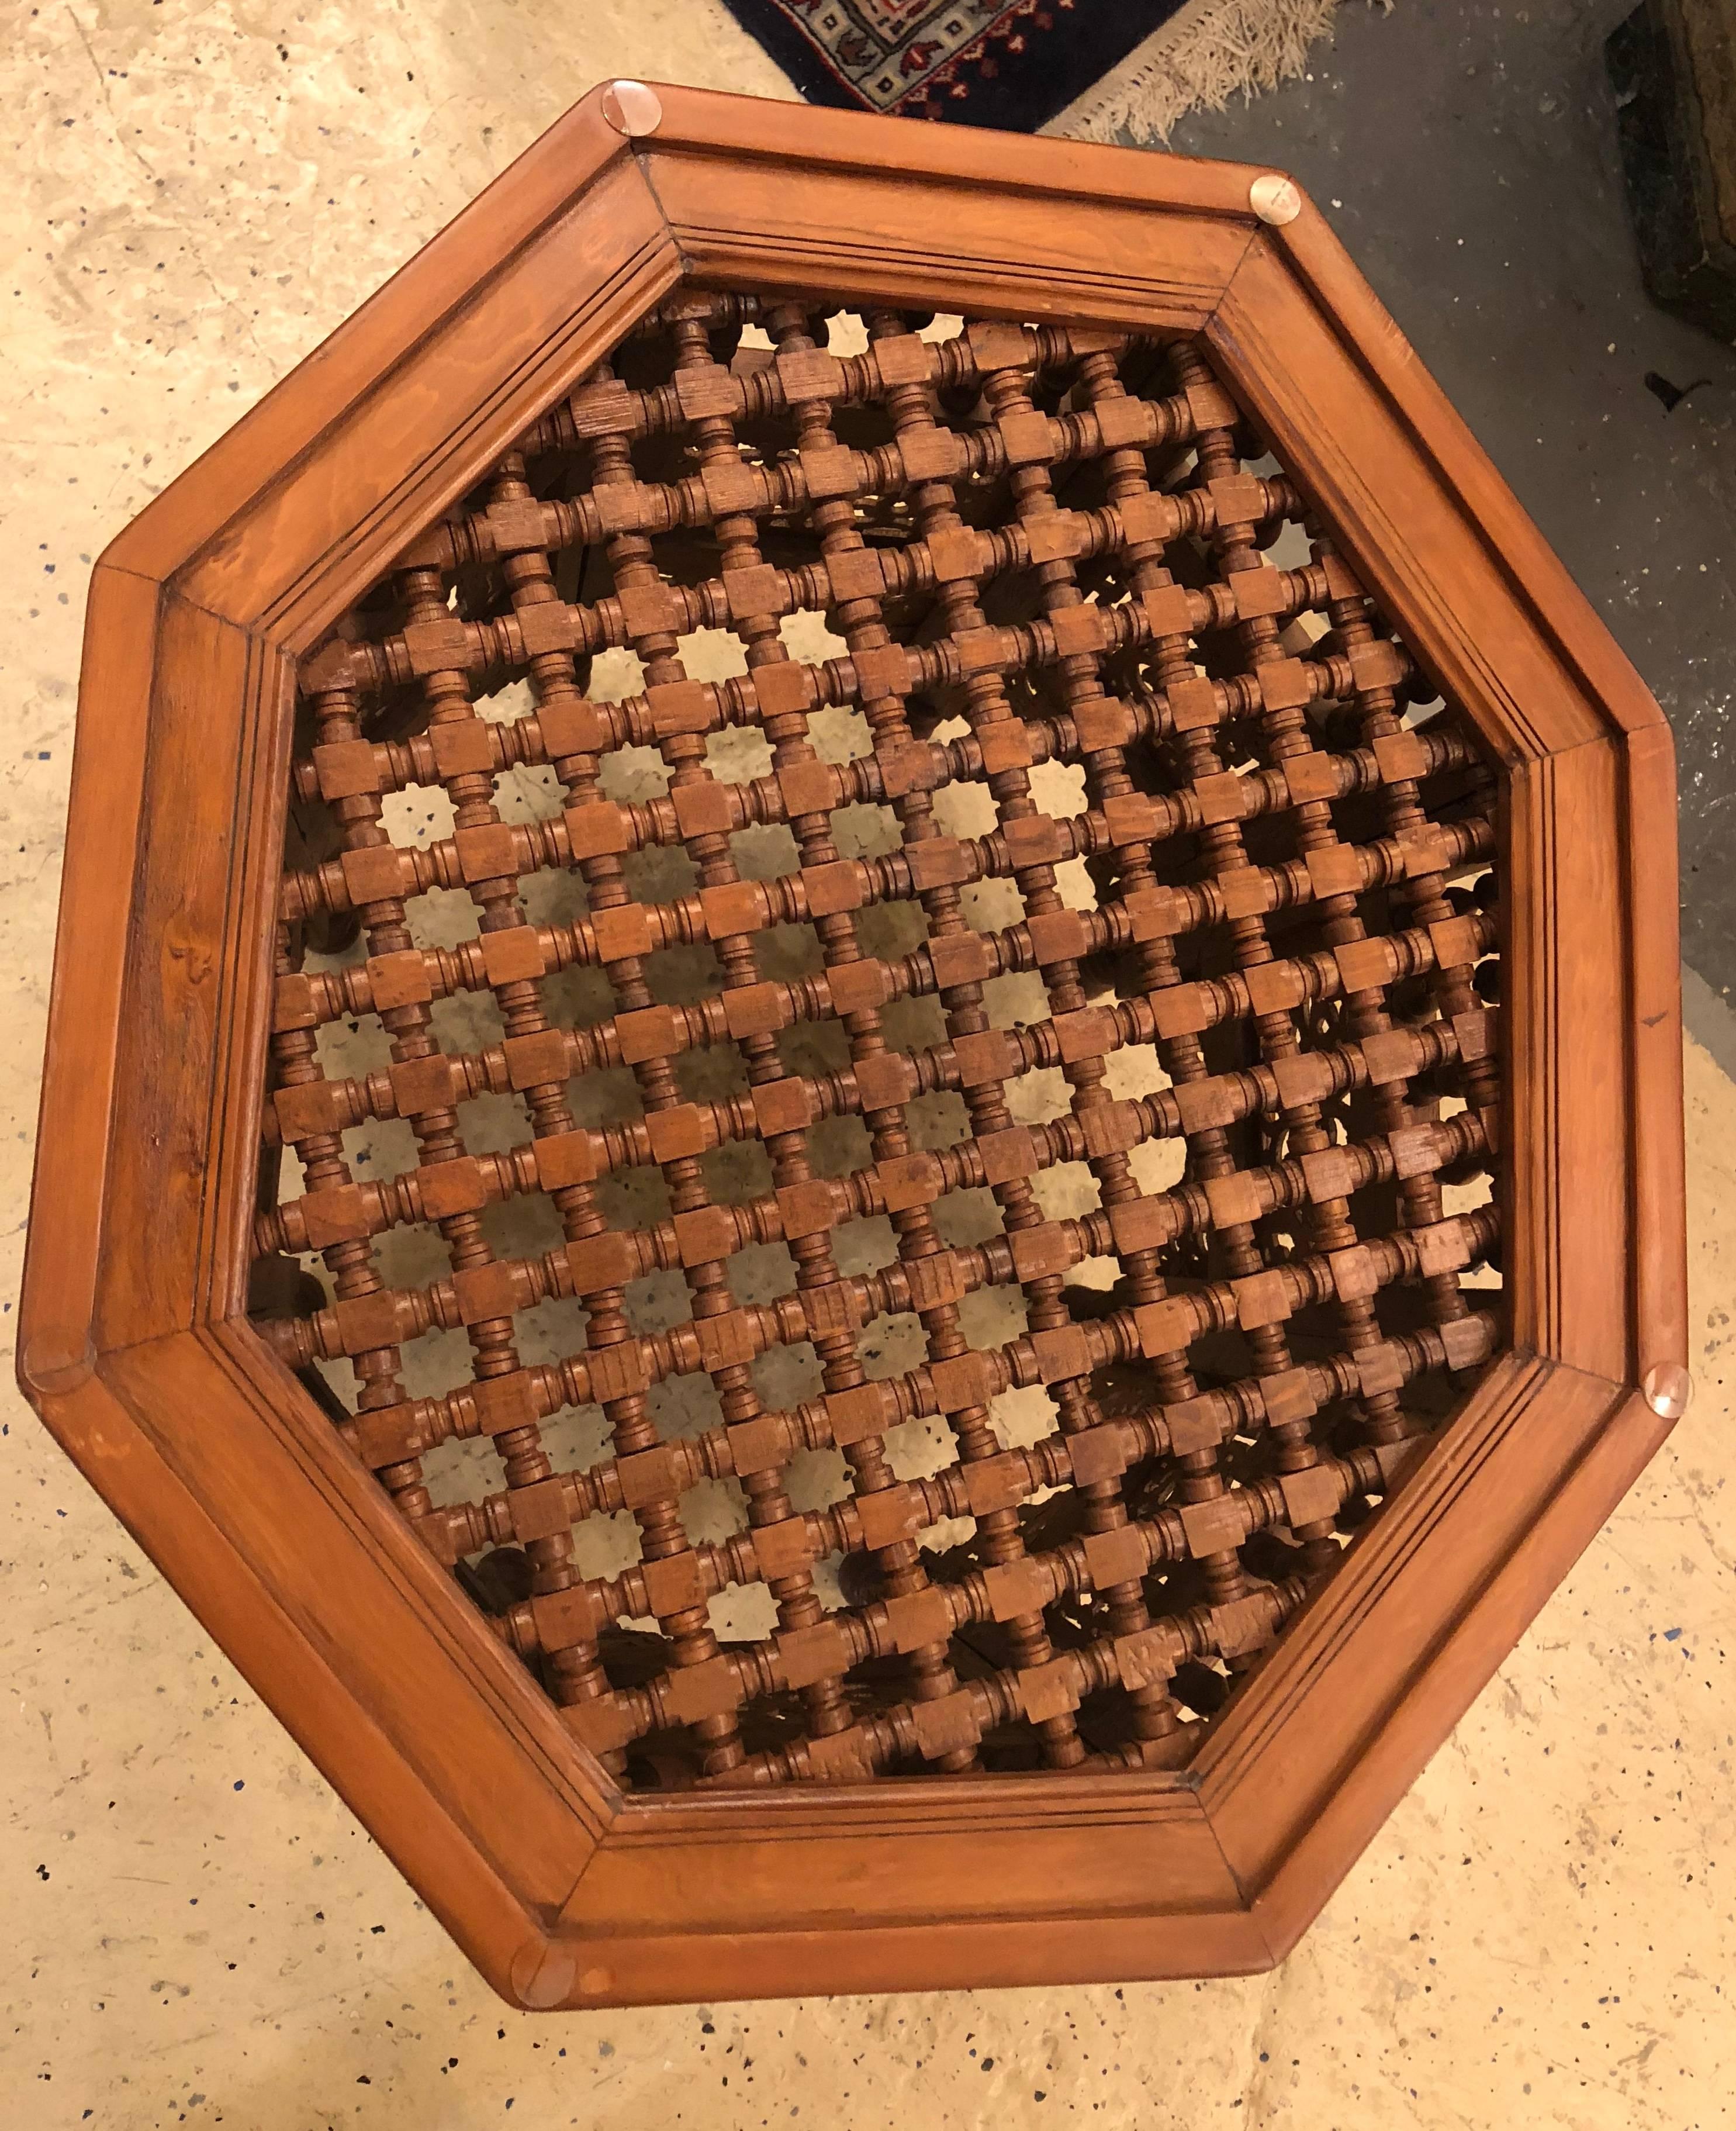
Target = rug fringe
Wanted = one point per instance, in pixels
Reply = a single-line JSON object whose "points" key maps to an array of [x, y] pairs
{"points": [[1211, 52]]}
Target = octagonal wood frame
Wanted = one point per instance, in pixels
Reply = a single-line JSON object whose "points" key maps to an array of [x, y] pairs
{"points": [[135, 1345]]}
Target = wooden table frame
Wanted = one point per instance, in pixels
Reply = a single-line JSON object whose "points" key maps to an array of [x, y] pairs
{"points": [[142, 1360]]}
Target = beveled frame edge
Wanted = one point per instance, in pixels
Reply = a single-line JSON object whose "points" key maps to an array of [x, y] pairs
{"points": [[1611, 1433], [80, 1387]]}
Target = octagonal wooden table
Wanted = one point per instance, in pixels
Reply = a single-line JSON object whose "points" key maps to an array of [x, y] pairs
{"points": [[863, 1120]]}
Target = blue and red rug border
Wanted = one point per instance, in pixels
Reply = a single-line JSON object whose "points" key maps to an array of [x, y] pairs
{"points": [[1067, 45]]}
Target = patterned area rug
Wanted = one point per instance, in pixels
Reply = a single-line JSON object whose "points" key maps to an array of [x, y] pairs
{"points": [[1098, 69], [1012, 64]]}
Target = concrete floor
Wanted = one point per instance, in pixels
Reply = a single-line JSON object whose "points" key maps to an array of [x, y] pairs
{"points": [[198, 1931]]}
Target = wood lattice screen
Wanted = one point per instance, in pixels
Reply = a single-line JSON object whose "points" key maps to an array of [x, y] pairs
{"points": [[883, 1096]]}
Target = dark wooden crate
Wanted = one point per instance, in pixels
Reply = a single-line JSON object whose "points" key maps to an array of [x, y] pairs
{"points": [[1672, 64]]}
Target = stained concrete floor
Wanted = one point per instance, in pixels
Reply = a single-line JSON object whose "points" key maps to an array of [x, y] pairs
{"points": [[197, 1932]]}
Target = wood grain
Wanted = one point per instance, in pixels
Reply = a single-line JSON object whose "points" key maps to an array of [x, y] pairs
{"points": [[457, 1736]]}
